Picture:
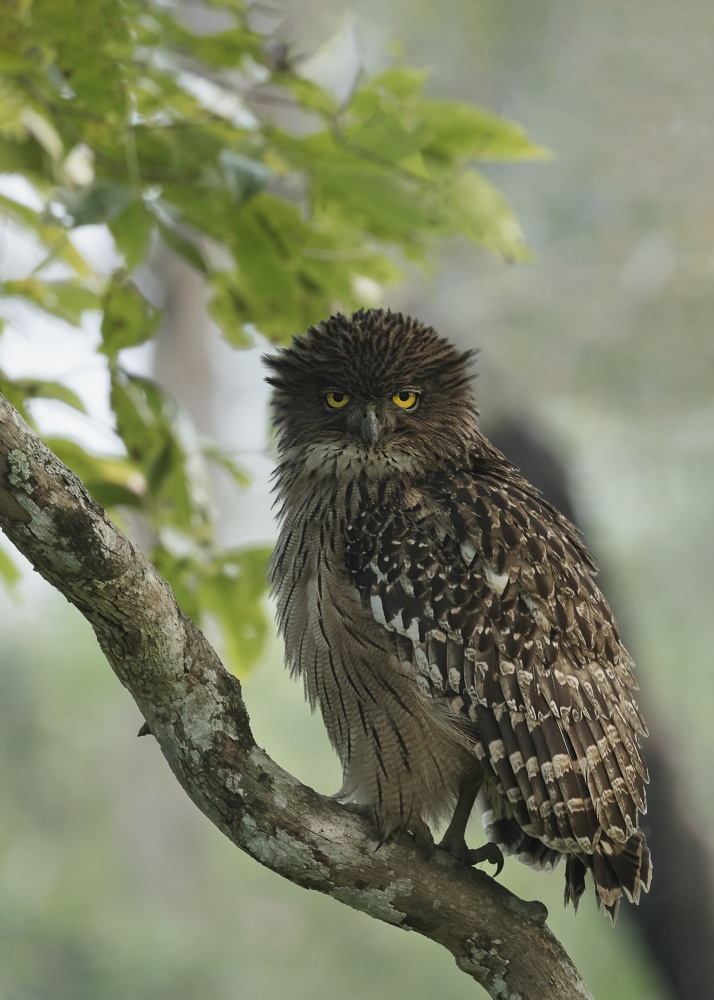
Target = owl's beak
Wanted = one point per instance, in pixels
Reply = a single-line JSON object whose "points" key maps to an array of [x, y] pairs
{"points": [[370, 427]]}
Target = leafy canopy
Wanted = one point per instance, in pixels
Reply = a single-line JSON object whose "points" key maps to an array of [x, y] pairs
{"points": [[120, 114]]}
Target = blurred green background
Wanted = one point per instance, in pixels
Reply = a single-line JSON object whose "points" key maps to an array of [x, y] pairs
{"points": [[111, 884]]}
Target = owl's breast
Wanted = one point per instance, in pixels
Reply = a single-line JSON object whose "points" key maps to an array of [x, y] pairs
{"points": [[401, 748], [330, 639]]}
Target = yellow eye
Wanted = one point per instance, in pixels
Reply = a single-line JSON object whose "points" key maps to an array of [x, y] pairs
{"points": [[406, 400], [335, 400]]}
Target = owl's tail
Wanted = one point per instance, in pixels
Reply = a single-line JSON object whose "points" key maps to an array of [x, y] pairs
{"points": [[615, 868]]}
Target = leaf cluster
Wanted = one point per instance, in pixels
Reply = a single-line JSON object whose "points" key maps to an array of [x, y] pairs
{"points": [[120, 114]]}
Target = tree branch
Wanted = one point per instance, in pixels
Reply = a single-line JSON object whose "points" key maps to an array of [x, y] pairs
{"points": [[193, 707]]}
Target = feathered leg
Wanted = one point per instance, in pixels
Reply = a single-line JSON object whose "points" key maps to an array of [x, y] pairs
{"points": [[454, 840]]}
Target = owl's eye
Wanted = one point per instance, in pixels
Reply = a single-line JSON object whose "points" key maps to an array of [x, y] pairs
{"points": [[406, 400], [335, 400]]}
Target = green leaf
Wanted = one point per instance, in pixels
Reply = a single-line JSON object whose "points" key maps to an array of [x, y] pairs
{"points": [[162, 464], [20, 156], [73, 299], [183, 574], [308, 95], [132, 230], [12, 63], [384, 138], [53, 236], [15, 397], [19, 391], [19, 212], [157, 439], [111, 481], [183, 247], [245, 176], [129, 319], [54, 390], [388, 204], [138, 407], [8, 570], [218, 50], [481, 211], [228, 309], [402, 81], [233, 590], [102, 202], [451, 129], [66, 299], [239, 6]]}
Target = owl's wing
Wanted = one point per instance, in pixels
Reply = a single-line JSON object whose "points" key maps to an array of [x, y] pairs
{"points": [[489, 593]]}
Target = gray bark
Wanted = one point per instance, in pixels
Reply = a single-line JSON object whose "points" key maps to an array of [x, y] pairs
{"points": [[194, 708]]}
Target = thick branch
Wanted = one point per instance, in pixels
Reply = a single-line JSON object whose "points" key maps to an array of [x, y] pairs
{"points": [[193, 706]]}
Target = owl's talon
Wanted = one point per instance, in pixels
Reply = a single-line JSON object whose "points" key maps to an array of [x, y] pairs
{"points": [[419, 831], [456, 847], [423, 838], [489, 852], [383, 836]]}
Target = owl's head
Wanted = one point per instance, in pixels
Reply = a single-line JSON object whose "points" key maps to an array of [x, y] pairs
{"points": [[374, 389]]}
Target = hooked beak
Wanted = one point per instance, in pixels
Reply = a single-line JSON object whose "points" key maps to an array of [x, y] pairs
{"points": [[370, 428]]}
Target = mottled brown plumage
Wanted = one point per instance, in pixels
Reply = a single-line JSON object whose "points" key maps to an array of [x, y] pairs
{"points": [[444, 616]]}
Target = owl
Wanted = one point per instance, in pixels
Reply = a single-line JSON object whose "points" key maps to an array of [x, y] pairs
{"points": [[444, 616]]}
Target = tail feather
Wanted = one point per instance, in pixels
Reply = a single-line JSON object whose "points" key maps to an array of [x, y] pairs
{"points": [[618, 868], [574, 881], [631, 864]]}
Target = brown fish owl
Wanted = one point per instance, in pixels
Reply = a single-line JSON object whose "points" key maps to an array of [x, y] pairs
{"points": [[444, 616]]}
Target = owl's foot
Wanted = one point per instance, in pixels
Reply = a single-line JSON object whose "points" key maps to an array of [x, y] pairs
{"points": [[419, 830], [489, 852], [457, 848], [423, 837]]}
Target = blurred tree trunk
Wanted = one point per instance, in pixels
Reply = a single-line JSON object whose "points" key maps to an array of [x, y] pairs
{"points": [[182, 363]]}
